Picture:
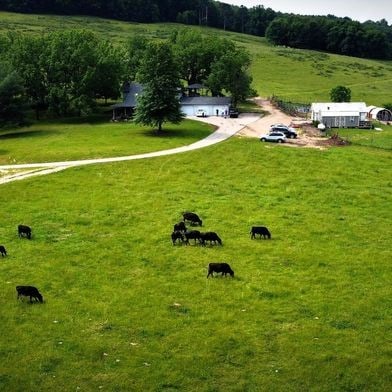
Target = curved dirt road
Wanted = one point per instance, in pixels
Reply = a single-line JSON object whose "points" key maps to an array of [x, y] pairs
{"points": [[263, 124]]}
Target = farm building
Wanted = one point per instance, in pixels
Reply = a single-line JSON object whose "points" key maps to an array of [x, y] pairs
{"points": [[380, 114], [191, 101], [341, 114], [195, 98], [212, 106]]}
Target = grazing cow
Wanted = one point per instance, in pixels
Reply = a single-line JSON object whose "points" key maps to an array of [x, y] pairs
{"points": [[24, 231], [3, 251], [193, 218], [180, 227], [29, 291], [224, 268], [177, 235], [193, 234], [210, 236], [261, 230]]}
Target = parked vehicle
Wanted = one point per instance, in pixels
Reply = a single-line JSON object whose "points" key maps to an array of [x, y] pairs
{"points": [[288, 131], [233, 113], [278, 137], [201, 113]]}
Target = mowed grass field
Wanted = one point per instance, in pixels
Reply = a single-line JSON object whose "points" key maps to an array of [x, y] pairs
{"points": [[292, 74], [92, 137], [125, 310]]}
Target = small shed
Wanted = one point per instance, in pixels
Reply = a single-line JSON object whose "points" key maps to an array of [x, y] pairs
{"points": [[341, 114], [212, 106], [380, 114], [125, 109]]}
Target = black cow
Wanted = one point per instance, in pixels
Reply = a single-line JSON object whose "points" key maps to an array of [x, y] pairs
{"points": [[180, 227], [193, 218], [177, 235], [261, 230], [210, 236], [29, 291], [24, 231], [3, 251], [193, 234], [224, 268]]}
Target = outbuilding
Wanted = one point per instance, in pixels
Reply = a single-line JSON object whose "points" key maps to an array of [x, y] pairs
{"points": [[341, 114], [212, 106], [380, 114]]}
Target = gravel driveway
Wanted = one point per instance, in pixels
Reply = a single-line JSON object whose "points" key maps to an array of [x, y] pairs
{"points": [[226, 127]]}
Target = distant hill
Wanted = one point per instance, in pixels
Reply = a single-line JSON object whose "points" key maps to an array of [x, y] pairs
{"points": [[293, 74], [327, 33]]}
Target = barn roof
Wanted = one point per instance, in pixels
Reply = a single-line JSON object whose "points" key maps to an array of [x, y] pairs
{"points": [[339, 107], [205, 100]]}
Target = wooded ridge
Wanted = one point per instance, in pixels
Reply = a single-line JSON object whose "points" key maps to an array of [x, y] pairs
{"points": [[337, 35]]}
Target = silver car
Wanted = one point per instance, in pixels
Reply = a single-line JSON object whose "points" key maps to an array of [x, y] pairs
{"points": [[278, 137]]}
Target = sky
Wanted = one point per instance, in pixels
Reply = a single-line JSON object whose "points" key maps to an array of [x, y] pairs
{"points": [[360, 10]]}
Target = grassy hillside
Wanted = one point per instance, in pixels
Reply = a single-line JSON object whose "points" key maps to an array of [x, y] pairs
{"points": [[126, 310], [297, 75]]}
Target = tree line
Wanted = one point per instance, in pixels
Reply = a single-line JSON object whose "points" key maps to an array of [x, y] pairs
{"points": [[65, 73], [194, 12], [329, 33]]}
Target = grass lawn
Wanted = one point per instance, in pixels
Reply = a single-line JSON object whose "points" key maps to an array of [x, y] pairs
{"points": [[92, 138], [369, 137], [293, 74], [125, 310]]}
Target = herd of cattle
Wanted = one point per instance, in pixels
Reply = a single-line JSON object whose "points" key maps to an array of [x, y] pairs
{"points": [[24, 291], [180, 235]]}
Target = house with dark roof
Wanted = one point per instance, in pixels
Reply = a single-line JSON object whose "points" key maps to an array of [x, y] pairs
{"points": [[191, 102], [125, 109]]}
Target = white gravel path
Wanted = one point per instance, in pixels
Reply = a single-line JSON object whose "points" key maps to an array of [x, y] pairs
{"points": [[226, 127]]}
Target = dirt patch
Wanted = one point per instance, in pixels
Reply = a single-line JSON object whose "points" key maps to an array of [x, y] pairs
{"points": [[308, 136]]}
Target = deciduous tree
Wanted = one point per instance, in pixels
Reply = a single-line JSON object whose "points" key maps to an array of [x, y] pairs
{"points": [[159, 75], [340, 94]]}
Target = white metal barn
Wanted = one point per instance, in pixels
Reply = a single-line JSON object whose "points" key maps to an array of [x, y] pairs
{"points": [[341, 114], [212, 106]]}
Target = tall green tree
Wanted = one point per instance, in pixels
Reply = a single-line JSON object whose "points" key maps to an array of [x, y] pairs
{"points": [[29, 58], [109, 71], [340, 94], [159, 75], [136, 48], [12, 99], [196, 53], [230, 74]]}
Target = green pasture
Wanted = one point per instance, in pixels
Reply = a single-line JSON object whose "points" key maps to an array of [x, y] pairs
{"points": [[125, 310], [90, 137], [380, 137], [297, 75]]}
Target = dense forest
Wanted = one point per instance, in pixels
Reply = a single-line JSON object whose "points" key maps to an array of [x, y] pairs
{"points": [[66, 73], [332, 34]]}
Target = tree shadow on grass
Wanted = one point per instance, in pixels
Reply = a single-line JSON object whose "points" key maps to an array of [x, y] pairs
{"points": [[26, 134], [172, 133]]}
